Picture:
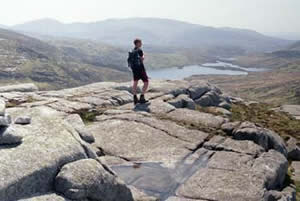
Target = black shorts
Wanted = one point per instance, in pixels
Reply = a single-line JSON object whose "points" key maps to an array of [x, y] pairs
{"points": [[139, 74]]}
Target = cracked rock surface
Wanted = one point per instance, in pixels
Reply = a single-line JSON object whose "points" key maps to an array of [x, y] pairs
{"points": [[91, 143]]}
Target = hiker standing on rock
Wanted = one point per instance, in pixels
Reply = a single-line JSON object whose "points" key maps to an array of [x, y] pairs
{"points": [[136, 63]]}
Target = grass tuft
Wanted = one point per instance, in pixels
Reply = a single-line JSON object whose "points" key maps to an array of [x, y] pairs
{"points": [[282, 123]]}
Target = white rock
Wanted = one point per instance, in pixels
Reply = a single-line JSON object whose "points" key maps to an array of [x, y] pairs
{"points": [[2, 107], [5, 120]]}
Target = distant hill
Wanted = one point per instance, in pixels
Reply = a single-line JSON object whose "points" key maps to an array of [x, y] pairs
{"points": [[295, 46], [26, 59], [156, 32], [287, 58], [3, 26], [286, 35]]}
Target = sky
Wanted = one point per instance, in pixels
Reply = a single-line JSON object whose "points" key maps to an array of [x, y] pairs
{"points": [[260, 15]]}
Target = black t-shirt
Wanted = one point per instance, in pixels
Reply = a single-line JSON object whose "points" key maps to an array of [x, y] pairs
{"points": [[141, 54], [140, 51]]}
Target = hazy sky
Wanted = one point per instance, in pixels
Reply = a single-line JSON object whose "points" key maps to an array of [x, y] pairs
{"points": [[261, 15]]}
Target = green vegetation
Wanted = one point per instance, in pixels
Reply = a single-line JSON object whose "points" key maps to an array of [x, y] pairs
{"points": [[89, 116], [262, 114], [297, 183], [56, 63], [211, 110], [97, 53], [50, 66]]}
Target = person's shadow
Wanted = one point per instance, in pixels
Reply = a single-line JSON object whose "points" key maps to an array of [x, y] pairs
{"points": [[142, 107]]}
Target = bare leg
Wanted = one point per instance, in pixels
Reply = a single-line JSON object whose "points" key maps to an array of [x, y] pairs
{"points": [[145, 87], [134, 87]]}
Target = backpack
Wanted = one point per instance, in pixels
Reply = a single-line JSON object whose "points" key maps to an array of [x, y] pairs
{"points": [[134, 59]]}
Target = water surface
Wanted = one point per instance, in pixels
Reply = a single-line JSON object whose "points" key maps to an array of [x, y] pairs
{"points": [[218, 68], [156, 180]]}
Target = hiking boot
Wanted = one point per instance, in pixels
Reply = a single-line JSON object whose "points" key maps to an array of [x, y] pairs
{"points": [[143, 100], [135, 99]]}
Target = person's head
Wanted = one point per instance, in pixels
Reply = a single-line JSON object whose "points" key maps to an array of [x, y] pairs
{"points": [[137, 42]]}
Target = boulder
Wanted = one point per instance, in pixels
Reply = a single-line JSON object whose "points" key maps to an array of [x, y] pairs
{"points": [[293, 148], [272, 166], [23, 120], [264, 137], [211, 98], [19, 88], [183, 101], [198, 88], [87, 179], [214, 98], [30, 168], [10, 136]]}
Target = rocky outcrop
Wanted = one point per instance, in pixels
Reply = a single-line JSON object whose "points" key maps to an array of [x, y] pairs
{"points": [[196, 118], [219, 143], [272, 167], [232, 176], [183, 101], [293, 148], [264, 137], [19, 88], [143, 137], [166, 149], [30, 167], [87, 179]]}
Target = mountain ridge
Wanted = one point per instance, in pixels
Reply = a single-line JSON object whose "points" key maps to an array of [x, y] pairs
{"points": [[26, 59], [155, 31]]}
